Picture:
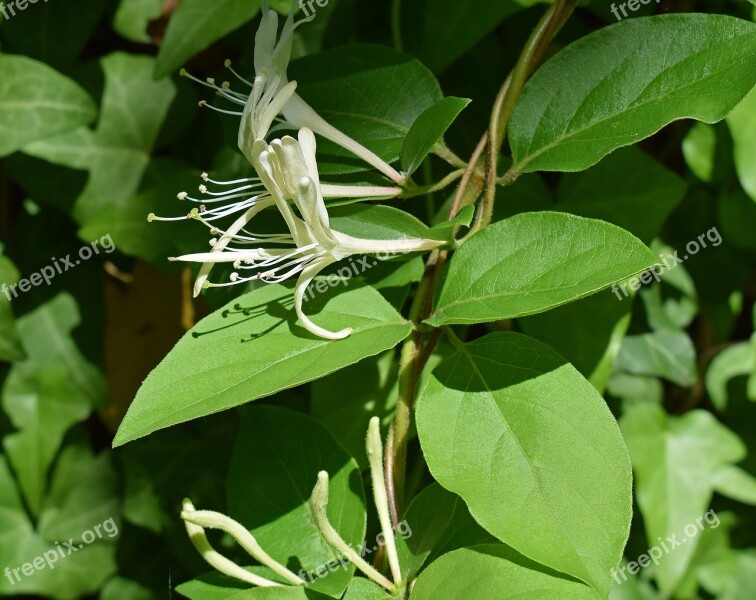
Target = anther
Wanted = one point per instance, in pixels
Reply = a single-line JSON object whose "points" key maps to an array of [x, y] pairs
{"points": [[182, 195]]}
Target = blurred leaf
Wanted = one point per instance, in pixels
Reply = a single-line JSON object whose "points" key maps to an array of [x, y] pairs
{"points": [[37, 102], [621, 84], [665, 353], [736, 483], [133, 16], [79, 573], [506, 422], [117, 153], [84, 493], [613, 192], [372, 93], [742, 122], [252, 348], [495, 572], [274, 467], [44, 395], [440, 31], [699, 148], [550, 259], [675, 460], [737, 215], [10, 343], [195, 25], [428, 130], [120, 588], [54, 33], [735, 361]]}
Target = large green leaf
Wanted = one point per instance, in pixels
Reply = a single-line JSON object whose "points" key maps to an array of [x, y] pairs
{"points": [[372, 93], [10, 343], [533, 450], [533, 262], [675, 460], [44, 395], [37, 102], [495, 572], [620, 84], [116, 154], [742, 122], [195, 25], [274, 467], [253, 347]]}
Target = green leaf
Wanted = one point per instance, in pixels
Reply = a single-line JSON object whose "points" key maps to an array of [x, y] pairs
{"points": [[665, 353], [133, 16], [38, 102], [533, 262], [10, 343], [495, 572], [195, 25], [742, 123], [735, 361], [700, 150], [274, 468], [675, 460], [364, 589], [506, 423], [621, 84], [436, 522], [372, 93], [252, 348], [736, 483], [613, 192], [117, 153], [73, 576], [373, 392], [427, 130], [44, 395], [588, 333]]}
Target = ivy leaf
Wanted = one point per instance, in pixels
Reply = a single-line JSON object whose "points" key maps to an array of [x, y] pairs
{"points": [[274, 468], [736, 483], [623, 83], [37, 102], [252, 348], [506, 423], [735, 361], [195, 25], [117, 153], [533, 262], [10, 343], [44, 395], [495, 572], [427, 130], [665, 353], [676, 460]]}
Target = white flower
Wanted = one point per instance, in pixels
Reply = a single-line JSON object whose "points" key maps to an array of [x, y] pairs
{"points": [[288, 171], [272, 94]]}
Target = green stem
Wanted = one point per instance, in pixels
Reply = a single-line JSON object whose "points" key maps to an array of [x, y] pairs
{"points": [[421, 190], [396, 24]]}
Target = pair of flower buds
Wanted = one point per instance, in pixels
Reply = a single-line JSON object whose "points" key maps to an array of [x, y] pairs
{"points": [[287, 178]]}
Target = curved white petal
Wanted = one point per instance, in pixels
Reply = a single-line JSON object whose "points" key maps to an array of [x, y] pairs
{"points": [[304, 280]]}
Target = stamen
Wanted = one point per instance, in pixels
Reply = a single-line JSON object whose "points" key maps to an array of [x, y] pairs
{"points": [[227, 64], [220, 110]]}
